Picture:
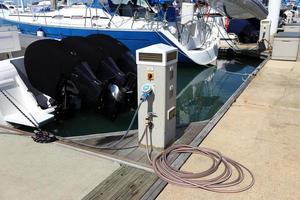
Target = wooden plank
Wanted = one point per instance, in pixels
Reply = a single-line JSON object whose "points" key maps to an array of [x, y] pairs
{"points": [[101, 135], [99, 153], [123, 144], [137, 154], [107, 141], [126, 183], [125, 152], [190, 133]]}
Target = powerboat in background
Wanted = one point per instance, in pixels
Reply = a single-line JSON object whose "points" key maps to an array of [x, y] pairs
{"points": [[241, 9], [244, 17], [9, 5], [247, 30], [137, 25]]}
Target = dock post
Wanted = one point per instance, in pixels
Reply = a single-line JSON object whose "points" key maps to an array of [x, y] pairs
{"points": [[274, 10]]}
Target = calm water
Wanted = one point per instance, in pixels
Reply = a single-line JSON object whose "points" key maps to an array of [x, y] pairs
{"points": [[201, 92]]}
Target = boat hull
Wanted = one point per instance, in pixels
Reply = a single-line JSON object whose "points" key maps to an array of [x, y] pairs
{"points": [[133, 39]]}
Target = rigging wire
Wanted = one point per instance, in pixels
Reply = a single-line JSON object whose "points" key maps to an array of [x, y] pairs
{"points": [[39, 136], [32, 121]]}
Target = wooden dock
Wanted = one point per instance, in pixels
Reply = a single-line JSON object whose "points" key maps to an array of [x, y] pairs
{"points": [[231, 50]]}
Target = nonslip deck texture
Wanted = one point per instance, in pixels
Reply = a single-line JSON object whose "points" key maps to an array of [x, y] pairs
{"points": [[132, 183]]}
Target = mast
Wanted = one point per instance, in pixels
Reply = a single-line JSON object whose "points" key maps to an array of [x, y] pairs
{"points": [[22, 5], [274, 10], [54, 4]]}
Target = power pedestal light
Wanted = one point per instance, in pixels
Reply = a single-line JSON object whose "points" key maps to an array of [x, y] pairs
{"points": [[157, 74]]}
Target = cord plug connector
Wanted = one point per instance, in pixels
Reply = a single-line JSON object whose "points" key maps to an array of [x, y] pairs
{"points": [[146, 92]]}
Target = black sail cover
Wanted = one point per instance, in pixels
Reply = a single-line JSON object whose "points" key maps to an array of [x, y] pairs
{"points": [[47, 64], [118, 51], [88, 68], [98, 59]]}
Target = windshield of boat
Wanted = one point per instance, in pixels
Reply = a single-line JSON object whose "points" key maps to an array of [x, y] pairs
{"points": [[142, 3], [129, 8], [2, 6]]}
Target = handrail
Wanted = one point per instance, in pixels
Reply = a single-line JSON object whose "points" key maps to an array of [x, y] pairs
{"points": [[45, 18], [18, 11], [91, 16], [85, 16]]}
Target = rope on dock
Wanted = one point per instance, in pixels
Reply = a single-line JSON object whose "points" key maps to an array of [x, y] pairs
{"points": [[39, 136]]}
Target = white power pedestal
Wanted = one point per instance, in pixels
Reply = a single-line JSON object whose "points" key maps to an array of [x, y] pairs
{"points": [[264, 34], [157, 67]]}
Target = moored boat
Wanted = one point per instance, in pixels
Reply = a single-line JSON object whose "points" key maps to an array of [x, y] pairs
{"points": [[241, 9], [138, 25]]}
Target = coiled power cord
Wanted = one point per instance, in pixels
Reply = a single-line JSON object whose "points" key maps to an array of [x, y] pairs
{"points": [[221, 183]]}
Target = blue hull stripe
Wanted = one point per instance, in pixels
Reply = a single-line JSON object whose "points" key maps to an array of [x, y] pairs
{"points": [[132, 39]]}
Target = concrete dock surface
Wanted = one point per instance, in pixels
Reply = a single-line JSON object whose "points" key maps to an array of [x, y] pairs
{"points": [[261, 131], [30, 170]]}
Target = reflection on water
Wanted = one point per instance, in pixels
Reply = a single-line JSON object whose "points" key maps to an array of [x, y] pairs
{"points": [[210, 89], [201, 92]]}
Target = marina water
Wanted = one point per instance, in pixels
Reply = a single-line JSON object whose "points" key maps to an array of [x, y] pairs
{"points": [[201, 92]]}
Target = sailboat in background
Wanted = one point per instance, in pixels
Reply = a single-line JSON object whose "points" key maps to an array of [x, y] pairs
{"points": [[136, 24]]}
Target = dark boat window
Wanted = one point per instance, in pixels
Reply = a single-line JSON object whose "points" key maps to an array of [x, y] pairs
{"points": [[77, 17], [58, 17], [3, 7]]}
